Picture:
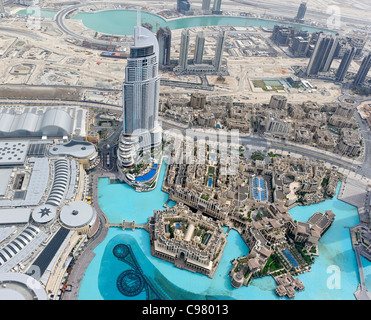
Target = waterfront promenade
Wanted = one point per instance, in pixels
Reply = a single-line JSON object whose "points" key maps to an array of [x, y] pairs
{"points": [[87, 255], [362, 293]]}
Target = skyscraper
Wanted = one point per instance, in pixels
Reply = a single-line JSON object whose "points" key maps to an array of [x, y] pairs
{"points": [[301, 11], [183, 54], [219, 51], [322, 55], [363, 70], [199, 48], [299, 46], [141, 89], [345, 63], [183, 6], [217, 5], [164, 42], [206, 5]]}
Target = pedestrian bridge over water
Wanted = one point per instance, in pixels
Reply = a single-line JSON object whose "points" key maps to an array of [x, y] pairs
{"points": [[127, 225]]}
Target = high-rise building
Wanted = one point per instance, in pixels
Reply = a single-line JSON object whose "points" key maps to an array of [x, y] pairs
{"points": [[282, 35], [345, 63], [322, 55], [217, 62], [216, 7], [141, 89], [2, 10], [363, 70], [277, 102], [299, 46], [206, 5], [301, 11], [164, 43], [358, 43], [198, 100], [183, 6], [183, 53], [199, 48], [329, 54]]}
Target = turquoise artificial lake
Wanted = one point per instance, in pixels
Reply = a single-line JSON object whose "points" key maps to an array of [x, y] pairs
{"points": [[122, 22], [119, 202]]}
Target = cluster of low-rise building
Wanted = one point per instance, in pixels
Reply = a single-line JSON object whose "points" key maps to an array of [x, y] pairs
{"points": [[254, 200], [329, 126]]}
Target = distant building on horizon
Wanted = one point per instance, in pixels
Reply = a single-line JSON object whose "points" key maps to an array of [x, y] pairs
{"points": [[164, 43], [206, 5], [2, 9], [301, 11], [217, 7], [27, 2], [363, 70], [183, 6]]}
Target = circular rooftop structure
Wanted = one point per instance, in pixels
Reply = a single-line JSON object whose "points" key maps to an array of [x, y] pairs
{"points": [[44, 213], [77, 214], [17, 286]]}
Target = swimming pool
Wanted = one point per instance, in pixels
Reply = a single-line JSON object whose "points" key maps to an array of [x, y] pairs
{"points": [[259, 189], [290, 258], [210, 182]]}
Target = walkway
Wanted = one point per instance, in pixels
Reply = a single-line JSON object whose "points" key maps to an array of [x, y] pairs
{"points": [[362, 293], [87, 255], [127, 225]]}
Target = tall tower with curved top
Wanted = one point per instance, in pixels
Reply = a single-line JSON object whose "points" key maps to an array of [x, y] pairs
{"points": [[141, 89]]}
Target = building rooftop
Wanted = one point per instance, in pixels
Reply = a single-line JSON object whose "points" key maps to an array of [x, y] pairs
{"points": [[36, 187], [4, 179], [76, 149], [13, 152], [15, 215], [17, 286], [44, 213], [76, 214], [54, 122]]}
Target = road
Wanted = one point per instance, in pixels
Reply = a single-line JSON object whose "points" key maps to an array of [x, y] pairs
{"points": [[365, 168], [259, 142], [59, 19]]}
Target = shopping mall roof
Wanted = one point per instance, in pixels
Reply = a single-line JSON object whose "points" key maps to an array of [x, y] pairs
{"points": [[75, 149], [18, 286], [36, 186], [44, 213], [15, 215], [5, 174], [12, 152], [76, 214], [54, 123]]}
